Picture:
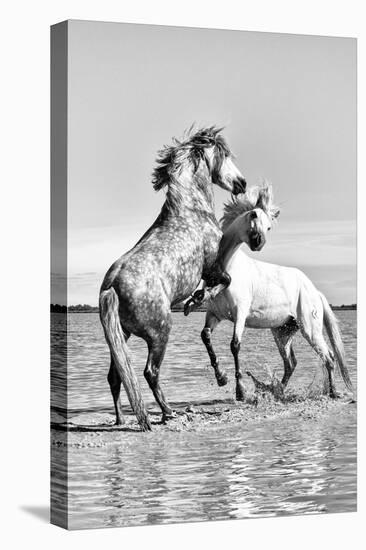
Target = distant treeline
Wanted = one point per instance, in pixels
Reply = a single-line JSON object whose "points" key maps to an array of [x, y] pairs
{"points": [[344, 306], [80, 308], [180, 307], [85, 308]]}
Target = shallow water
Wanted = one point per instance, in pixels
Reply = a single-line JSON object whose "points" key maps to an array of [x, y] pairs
{"points": [[264, 468]]}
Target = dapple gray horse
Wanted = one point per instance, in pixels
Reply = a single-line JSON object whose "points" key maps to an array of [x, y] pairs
{"points": [[167, 263]]}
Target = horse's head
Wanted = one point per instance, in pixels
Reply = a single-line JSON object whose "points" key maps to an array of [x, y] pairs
{"points": [[190, 167], [250, 217], [210, 146], [223, 170], [256, 226]]}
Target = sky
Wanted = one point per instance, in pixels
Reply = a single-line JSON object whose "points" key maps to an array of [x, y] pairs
{"points": [[288, 105]]}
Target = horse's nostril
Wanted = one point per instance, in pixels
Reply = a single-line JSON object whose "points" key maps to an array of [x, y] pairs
{"points": [[240, 186], [256, 240]]}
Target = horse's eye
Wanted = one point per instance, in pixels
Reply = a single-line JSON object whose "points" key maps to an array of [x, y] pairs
{"points": [[269, 229]]}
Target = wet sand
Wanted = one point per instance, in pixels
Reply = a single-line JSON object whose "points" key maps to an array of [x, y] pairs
{"points": [[98, 429]]}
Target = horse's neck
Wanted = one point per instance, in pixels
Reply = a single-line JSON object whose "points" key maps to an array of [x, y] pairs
{"points": [[192, 190], [230, 242], [170, 215]]}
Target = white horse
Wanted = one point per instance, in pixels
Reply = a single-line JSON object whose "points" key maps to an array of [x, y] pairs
{"points": [[263, 295]]}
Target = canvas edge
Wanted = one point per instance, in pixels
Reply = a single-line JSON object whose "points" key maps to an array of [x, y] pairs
{"points": [[58, 176]]}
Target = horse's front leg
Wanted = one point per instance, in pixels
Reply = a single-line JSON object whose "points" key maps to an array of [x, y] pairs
{"points": [[201, 297], [235, 349], [211, 287], [196, 299], [210, 324]]}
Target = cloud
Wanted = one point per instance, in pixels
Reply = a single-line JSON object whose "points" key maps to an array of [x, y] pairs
{"points": [[325, 251], [326, 243]]}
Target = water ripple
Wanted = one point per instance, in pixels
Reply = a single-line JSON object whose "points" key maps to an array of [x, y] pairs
{"points": [[274, 468]]}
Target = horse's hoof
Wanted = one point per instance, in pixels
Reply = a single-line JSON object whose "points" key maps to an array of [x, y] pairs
{"points": [[187, 308], [335, 395], [146, 426], [168, 416], [221, 379], [240, 393]]}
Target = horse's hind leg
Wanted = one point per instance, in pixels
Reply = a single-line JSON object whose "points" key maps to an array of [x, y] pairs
{"points": [[317, 341], [114, 382], [327, 357], [210, 324], [157, 347], [283, 337], [293, 358]]}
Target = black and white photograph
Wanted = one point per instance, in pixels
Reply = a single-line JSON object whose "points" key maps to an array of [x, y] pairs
{"points": [[182, 274], [203, 285]]}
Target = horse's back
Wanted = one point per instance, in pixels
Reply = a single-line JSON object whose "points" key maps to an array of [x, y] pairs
{"points": [[163, 268], [267, 294]]}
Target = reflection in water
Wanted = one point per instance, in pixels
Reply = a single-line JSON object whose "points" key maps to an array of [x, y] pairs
{"points": [[221, 473], [296, 469], [265, 468]]}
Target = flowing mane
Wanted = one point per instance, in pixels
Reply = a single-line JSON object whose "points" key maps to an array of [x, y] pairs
{"points": [[259, 196], [190, 149]]}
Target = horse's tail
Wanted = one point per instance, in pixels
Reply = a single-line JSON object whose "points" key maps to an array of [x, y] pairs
{"points": [[108, 308], [331, 326]]}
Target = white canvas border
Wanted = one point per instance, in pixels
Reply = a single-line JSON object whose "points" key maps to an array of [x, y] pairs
{"points": [[25, 280]]}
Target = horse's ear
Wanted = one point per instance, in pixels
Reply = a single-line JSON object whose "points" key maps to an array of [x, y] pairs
{"points": [[264, 198], [275, 213]]}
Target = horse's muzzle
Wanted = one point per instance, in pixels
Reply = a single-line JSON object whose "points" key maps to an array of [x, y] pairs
{"points": [[256, 242], [239, 185]]}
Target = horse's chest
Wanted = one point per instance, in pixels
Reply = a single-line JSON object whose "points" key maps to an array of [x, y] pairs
{"points": [[187, 274], [211, 245], [221, 307]]}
